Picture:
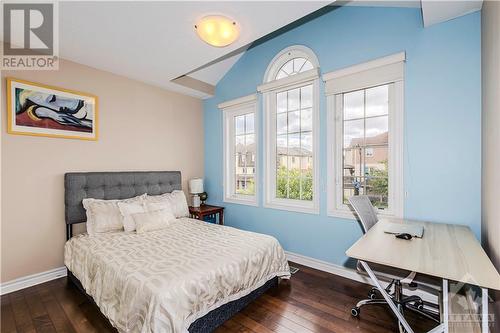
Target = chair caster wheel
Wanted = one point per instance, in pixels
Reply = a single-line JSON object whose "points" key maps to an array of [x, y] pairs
{"points": [[419, 305], [372, 294], [355, 311]]}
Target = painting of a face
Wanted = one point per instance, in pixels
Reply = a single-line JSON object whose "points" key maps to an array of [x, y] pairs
{"points": [[40, 110]]}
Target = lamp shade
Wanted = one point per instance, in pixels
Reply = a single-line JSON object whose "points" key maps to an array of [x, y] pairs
{"points": [[217, 30], [196, 186]]}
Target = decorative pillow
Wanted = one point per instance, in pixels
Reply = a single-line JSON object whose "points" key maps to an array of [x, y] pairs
{"points": [[154, 206], [104, 215], [151, 221], [176, 199], [129, 208]]}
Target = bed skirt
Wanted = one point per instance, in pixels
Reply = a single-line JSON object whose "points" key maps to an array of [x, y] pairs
{"points": [[214, 318]]}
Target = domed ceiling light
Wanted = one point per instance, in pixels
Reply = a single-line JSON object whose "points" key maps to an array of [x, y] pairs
{"points": [[217, 30]]}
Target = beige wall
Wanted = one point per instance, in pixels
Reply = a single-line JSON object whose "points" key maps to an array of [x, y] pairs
{"points": [[140, 128], [491, 135]]}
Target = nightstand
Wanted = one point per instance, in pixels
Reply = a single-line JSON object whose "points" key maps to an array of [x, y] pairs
{"points": [[207, 210]]}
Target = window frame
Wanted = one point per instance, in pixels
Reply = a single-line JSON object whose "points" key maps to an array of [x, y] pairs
{"points": [[388, 70], [289, 53], [230, 110], [270, 89]]}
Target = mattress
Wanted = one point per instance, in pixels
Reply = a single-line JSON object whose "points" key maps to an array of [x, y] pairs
{"points": [[162, 281]]}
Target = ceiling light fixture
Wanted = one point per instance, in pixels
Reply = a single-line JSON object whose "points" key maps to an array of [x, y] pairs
{"points": [[217, 30]]}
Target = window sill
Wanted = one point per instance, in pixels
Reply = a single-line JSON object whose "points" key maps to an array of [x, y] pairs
{"points": [[292, 208], [240, 201]]}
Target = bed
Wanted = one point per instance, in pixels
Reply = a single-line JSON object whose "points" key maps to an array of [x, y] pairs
{"points": [[190, 277]]}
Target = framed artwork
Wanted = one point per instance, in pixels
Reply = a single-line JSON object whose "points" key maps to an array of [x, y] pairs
{"points": [[41, 110]]}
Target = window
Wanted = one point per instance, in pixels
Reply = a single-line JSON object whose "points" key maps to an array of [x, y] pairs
{"points": [[244, 136], [294, 155], [365, 124], [240, 150], [365, 144], [291, 131], [294, 66]]}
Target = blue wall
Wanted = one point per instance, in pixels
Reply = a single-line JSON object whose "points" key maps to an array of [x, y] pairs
{"points": [[442, 120]]}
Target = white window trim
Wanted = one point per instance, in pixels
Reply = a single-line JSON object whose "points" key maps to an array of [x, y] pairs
{"points": [[289, 53], [230, 109], [377, 72], [270, 200], [289, 81]]}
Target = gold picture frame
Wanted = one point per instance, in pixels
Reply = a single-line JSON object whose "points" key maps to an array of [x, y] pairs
{"points": [[42, 110]]}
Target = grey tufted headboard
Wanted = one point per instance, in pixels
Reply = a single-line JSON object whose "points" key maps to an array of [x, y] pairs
{"points": [[112, 185]]}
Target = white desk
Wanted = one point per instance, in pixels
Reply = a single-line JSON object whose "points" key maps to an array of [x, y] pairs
{"points": [[446, 251]]}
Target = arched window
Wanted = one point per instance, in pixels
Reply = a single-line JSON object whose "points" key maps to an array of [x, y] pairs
{"points": [[291, 119], [290, 61], [294, 66]]}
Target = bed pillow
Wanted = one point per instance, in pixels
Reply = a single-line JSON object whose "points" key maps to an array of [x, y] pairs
{"points": [[176, 199], [129, 208], [154, 206], [151, 221], [104, 215]]}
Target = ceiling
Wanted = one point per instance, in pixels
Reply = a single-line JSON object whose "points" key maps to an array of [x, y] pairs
{"points": [[212, 74], [434, 12], [155, 42]]}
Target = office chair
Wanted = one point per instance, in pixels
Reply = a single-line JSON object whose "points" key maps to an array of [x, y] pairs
{"points": [[367, 216]]}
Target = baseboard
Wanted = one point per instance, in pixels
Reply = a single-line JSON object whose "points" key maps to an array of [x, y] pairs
{"points": [[351, 274], [32, 280]]}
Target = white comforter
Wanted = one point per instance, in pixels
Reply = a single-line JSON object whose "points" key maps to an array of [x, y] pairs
{"points": [[162, 281]]}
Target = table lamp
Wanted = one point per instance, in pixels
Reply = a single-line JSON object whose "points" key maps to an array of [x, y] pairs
{"points": [[196, 188]]}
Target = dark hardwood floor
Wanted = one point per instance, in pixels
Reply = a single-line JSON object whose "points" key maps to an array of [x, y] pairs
{"points": [[312, 301]]}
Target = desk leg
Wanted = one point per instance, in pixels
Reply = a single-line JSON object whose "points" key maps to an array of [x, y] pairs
{"points": [[391, 304], [443, 327], [221, 218], [484, 311], [445, 306]]}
